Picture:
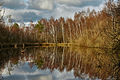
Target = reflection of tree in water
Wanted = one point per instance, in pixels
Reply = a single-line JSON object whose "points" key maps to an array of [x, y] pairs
{"points": [[9, 55], [93, 62], [96, 63], [9, 58]]}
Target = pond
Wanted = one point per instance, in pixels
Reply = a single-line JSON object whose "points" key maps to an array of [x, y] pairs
{"points": [[59, 63]]}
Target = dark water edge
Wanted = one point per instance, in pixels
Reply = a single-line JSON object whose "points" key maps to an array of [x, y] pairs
{"points": [[58, 63]]}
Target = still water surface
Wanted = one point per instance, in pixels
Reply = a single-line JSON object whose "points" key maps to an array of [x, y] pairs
{"points": [[58, 63]]}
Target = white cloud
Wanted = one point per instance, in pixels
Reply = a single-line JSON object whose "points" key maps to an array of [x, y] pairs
{"points": [[80, 3], [14, 4], [23, 14], [25, 10], [41, 4], [70, 1], [65, 11]]}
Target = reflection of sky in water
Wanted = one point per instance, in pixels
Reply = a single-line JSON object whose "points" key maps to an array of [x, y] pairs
{"points": [[70, 63], [25, 72]]}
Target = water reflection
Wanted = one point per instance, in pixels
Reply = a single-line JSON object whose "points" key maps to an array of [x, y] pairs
{"points": [[58, 63]]}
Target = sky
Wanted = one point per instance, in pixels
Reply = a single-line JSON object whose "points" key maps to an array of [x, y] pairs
{"points": [[27, 10]]}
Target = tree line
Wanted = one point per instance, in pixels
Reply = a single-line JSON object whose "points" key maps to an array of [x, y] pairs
{"points": [[88, 28]]}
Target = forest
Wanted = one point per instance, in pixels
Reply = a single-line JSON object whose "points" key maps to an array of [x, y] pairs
{"points": [[87, 29]]}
